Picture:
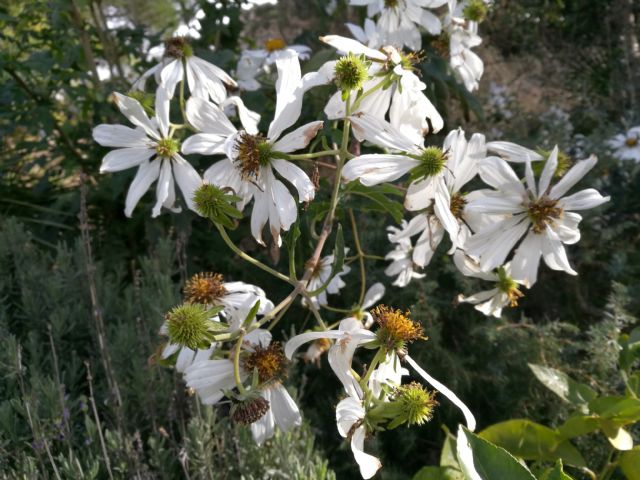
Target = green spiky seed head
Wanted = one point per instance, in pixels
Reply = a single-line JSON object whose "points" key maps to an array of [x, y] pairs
{"points": [[188, 325], [416, 403], [432, 161], [351, 71], [216, 204], [475, 11]]}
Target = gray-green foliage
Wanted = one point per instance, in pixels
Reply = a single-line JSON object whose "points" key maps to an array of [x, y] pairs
{"points": [[48, 340]]}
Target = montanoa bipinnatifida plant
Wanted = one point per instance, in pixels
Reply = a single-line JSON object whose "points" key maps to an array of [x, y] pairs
{"points": [[372, 136]]}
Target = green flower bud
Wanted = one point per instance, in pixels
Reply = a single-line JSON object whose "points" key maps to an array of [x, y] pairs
{"points": [[146, 100], [216, 204], [564, 163], [351, 71]]}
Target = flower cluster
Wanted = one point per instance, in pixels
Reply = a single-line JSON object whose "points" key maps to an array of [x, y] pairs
{"points": [[221, 337]]}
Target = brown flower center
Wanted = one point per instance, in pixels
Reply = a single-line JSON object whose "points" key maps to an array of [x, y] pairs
{"points": [[254, 151], [631, 141], [457, 205], [544, 212], [206, 288], [269, 361], [250, 411], [177, 47]]}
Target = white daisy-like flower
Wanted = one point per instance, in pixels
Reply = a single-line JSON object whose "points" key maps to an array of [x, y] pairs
{"points": [[349, 336], [466, 64], [400, 21], [211, 378], [350, 415], [237, 298], [402, 266], [539, 213], [408, 107], [252, 158], [321, 274], [151, 139], [626, 146], [205, 80], [253, 62], [490, 302]]}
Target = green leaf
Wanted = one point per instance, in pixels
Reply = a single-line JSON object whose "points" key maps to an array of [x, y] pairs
{"points": [[630, 463], [291, 240], [380, 198], [532, 441], [430, 473], [623, 410], [562, 385], [481, 459], [555, 473], [251, 315], [579, 425], [338, 262]]}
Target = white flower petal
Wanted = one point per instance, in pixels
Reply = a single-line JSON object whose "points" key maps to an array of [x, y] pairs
{"points": [[120, 136], [469, 418], [548, 171], [134, 112], [124, 158], [381, 133], [348, 45], [375, 168], [285, 410], [187, 178], [555, 256], [299, 138], [583, 200], [145, 176], [573, 176], [373, 295], [513, 152], [368, 464], [526, 260], [288, 93], [207, 117], [170, 75], [497, 173], [162, 187]]}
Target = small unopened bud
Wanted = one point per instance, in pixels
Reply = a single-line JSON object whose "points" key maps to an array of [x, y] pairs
{"points": [[351, 71], [216, 204], [249, 411], [564, 163], [190, 325], [475, 11]]}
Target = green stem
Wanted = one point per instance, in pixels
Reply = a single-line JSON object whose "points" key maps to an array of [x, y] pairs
{"points": [[305, 156], [374, 363], [182, 102], [335, 309], [358, 101], [363, 273], [249, 258], [236, 365]]}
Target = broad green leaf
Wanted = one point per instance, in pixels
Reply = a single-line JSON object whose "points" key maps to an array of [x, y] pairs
{"points": [[622, 410], [532, 441], [555, 473], [630, 348], [579, 425], [562, 385], [482, 460], [630, 464], [429, 473]]}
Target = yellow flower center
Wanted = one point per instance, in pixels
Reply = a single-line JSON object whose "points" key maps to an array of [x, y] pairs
{"points": [[269, 361], [254, 151], [544, 212], [631, 141], [508, 285], [167, 147], [206, 288], [274, 44], [396, 328]]}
